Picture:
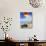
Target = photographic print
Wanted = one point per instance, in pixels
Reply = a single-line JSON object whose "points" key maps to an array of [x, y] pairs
{"points": [[26, 20]]}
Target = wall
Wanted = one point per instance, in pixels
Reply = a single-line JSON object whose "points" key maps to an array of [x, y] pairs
{"points": [[12, 8]]}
